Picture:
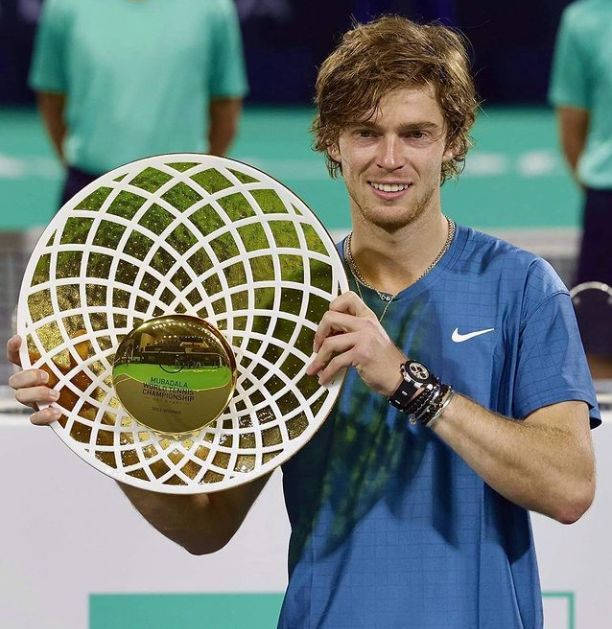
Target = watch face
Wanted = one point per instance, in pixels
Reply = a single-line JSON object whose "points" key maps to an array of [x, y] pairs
{"points": [[418, 372]]}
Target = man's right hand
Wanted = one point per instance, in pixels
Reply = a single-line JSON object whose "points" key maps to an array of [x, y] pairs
{"points": [[31, 387]]}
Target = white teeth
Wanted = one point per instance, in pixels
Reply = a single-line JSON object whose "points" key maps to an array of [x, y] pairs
{"points": [[389, 187]]}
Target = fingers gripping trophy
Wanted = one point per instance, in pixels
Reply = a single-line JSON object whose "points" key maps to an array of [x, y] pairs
{"points": [[170, 308]]}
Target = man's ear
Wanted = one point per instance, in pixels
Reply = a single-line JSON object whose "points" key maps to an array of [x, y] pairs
{"points": [[333, 150], [449, 153]]}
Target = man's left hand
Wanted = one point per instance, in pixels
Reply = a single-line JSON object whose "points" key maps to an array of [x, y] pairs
{"points": [[350, 334]]}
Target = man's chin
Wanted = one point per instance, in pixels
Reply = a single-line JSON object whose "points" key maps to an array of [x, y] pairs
{"points": [[387, 219]]}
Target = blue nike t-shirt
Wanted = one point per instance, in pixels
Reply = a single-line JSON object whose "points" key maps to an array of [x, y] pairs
{"points": [[391, 528]]}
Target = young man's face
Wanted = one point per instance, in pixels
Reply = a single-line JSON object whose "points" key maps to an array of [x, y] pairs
{"points": [[391, 163]]}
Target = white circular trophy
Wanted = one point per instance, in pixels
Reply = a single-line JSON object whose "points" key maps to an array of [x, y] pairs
{"points": [[173, 303]]}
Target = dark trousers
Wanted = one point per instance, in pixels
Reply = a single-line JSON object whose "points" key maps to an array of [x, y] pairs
{"points": [[75, 181], [595, 258], [594, 307]]}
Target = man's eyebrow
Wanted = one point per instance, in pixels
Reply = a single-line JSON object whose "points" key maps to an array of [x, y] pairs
{"points": [[422, 125], [409, 126], [362, 123]]}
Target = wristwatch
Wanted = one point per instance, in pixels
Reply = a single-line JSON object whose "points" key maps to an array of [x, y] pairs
{"points": [[415, 378]]}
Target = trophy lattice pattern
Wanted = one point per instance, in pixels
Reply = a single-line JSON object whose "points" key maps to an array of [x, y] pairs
{"points": [[191, 234]]}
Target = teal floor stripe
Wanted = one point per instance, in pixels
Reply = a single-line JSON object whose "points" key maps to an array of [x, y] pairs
{"points": [[177, 611], [570, 598], [209, 611]]}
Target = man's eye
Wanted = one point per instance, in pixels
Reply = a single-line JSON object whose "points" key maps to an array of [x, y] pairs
{"points": [[417, 135], [365, 133]]}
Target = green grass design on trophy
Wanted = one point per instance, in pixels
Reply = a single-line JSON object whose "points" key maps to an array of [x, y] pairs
{"points": [[194, 378]]}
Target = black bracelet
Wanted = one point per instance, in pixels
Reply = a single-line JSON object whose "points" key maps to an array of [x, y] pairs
{"points": [[417, 403], [436, 406], [423, 400]]}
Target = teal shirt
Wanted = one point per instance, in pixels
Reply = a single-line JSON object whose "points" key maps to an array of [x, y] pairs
{"points": [[582, 77], [138, 74]]}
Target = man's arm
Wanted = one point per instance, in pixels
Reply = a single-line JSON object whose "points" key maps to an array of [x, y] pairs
{"points": [[573, 124], [201, 523], [544, 463], [51, 106], [224, 114]]}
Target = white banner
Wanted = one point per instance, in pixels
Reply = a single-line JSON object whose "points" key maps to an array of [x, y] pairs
{"points": [[68, 531]]}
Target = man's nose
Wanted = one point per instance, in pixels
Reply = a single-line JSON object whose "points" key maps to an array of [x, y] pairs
{"points": [[390, 156]]}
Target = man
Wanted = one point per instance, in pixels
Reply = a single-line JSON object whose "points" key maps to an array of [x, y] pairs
{"points": [[581, 92], [414, 513], [121, 80]]}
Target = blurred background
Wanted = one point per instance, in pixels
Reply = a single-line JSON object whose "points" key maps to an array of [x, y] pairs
{"points": [[515, 185]]}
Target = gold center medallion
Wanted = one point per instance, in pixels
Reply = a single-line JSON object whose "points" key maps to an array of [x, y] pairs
{"points": [[174, 374]]}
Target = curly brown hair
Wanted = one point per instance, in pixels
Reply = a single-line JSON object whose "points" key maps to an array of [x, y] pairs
{"points": [[392, 52]]}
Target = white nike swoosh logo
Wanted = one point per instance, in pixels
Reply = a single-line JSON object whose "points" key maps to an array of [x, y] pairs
{"points": [[459, 338]]}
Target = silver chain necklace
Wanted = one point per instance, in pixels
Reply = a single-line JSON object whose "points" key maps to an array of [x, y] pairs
{"points": [[386, 297]]}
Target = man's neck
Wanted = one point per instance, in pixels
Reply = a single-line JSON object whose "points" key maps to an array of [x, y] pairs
{"points": [[390, 262]]}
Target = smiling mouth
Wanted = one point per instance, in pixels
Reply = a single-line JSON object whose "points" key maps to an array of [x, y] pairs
{"points": [[389, 187]]}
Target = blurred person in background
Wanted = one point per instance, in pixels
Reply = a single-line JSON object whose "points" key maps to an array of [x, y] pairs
{"points": [[581, 92], [125, 79]]}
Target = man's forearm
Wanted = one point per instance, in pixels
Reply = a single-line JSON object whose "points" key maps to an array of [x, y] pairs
{"points": [[51, 107], [179, 518], [200, 523], [573, 127], [540, 467], [223, 124]]}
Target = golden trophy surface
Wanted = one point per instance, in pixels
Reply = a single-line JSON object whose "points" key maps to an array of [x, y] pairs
{"points": [[173, 302], [174, 374]]}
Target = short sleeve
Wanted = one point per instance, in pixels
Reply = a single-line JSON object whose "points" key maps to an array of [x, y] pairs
{"points": [[551, 365], [570, 70], [48, 68], [227, 71]]}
